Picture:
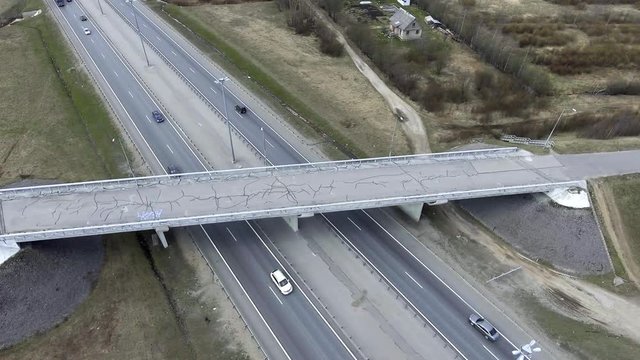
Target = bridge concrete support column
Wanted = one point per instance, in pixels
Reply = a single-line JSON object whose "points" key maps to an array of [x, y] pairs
{"points": [[292, 221], [413, 210], [160, 231]]}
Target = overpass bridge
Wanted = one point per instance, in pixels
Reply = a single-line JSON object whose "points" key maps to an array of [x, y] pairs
{"points": [[291, 191]]}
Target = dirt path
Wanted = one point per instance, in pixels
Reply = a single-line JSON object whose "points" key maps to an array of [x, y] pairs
{"points": [[413, 126], [612, 224], [579, 299]]}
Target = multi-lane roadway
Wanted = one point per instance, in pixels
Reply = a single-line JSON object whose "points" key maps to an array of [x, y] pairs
{"points": [[299, 329]]}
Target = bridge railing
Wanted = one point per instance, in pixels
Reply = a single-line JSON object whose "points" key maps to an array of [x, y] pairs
{"points": [[227, 175]]}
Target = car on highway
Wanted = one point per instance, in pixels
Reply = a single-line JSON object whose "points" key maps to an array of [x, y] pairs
{"points": [[172, 170], [282, 283], [83, 18], [157, 115], [484, 327], [241, 109], [86, 31]]}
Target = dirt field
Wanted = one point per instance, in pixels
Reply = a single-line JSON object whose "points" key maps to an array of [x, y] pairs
{"points": [[331, 87]]}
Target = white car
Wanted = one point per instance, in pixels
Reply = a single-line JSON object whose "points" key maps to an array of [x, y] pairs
{"points": [[281, 281], [86, 31]]}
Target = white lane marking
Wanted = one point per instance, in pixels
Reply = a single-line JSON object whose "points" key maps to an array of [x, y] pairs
{"points": [[270, 144], [113, 71], [157, 37], [436, 276], [179, 133], [274, 294], [93, 42], [314, 254], [147, 116], [214, 90], [245, 293], [174, 53], [110, 88], [145, 25], [102, 55], [230, 233], [299, 288], [193, 71], [168, 147], [200, 124], [354, 224], [335, 228], [414, 280], [495, 357], [232, 94], [130, 94]]}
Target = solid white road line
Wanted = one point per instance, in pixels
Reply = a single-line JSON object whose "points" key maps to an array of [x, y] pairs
{"points": [[340, 233], [495, 357], [246, 294], [414, 280], [433, 273], [230, 233], [299, 288], [354, 224], [274, 294]]}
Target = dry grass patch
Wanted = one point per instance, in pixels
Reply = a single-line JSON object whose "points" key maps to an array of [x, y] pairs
{"points": [[331, 87]]}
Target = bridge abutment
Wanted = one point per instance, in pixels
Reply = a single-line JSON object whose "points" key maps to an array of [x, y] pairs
{"points": [[412, 210]]}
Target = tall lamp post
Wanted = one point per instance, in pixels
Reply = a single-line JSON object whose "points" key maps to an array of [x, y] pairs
{"points": [[226, 117], [546, 143], [100, 5], [138, 28]]}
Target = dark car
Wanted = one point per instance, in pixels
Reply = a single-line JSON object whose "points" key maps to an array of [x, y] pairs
{"points": [[484, 327], [172, 170], [241, 109], [157, 115], [83, 18]]}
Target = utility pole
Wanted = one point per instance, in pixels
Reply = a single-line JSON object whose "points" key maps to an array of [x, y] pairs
{"points": [[226, 116], [546, 143], [100, 5], [138, 28], [395, 128]]}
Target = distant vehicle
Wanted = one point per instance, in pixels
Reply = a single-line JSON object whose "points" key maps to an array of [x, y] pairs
{"points": [[83, 18], [281, 281], [68, 0], [157, 115], [172, 170], [241, 109], [484, 327], [86, 31], [60, 3]]}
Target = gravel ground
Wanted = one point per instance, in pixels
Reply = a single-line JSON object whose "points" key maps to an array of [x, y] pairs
{"points": [[568, 239], [42, 285]]}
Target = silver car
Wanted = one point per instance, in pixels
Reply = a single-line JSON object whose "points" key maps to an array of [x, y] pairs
{"points": [[490, 333]]}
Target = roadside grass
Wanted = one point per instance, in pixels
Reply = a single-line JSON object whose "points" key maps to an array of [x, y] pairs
{"points": [[587, 341], [53, 116], [126, 316], [332, 122]]}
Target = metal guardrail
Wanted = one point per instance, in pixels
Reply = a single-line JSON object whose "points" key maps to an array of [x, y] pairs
{"points": [[526, 141], [282, 212]]}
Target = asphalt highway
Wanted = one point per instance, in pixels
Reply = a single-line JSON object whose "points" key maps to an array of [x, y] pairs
{"points": [[299, 329], [276, 148], [433, 300]]}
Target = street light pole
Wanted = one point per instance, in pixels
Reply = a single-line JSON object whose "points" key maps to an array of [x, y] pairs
{"points": [[395, 128], [144, 50], [100, 5], [226, 116], [546, 143], [264, 146]]}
